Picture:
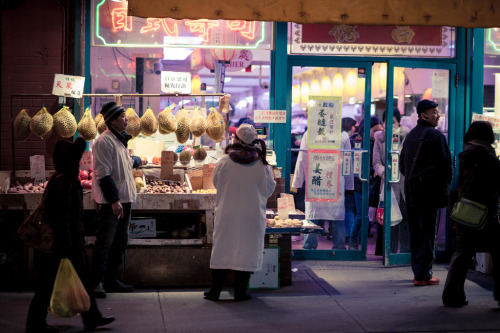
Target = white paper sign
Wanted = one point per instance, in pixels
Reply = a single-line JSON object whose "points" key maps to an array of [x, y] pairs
{"points": [[357, 162], [283, 208], [346, 163], [68, 85], [86, 161], [495, 122], [395, 167], [291, 202], [37, 168], [269, 116], [323, 170], [176, 82], [324, 120]]}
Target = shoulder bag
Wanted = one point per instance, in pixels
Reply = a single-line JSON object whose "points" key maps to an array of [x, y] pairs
{"points": [[470, 213]]}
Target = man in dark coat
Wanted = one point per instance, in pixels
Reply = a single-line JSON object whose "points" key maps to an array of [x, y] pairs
{"points": [[426, 165]]}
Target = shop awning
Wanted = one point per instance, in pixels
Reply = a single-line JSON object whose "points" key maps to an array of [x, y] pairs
{"points": [[455, 13]]}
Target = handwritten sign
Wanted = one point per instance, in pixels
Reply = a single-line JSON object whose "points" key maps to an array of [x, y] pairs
{"points": [[269, 116], [68, 85], [86, 161], [283, 208], [166, 164], [37, 168], [357, 162], [142, 228], [395, 167], [495, 122], [208, 170], [323, 170], [291, 202], [324, 122], [176, 82], [346, 163]]}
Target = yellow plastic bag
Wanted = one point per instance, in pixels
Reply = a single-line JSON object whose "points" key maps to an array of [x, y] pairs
{"points": [[69, 297]]}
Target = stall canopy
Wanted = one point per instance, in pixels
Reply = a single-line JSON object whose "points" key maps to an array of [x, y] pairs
{"points": [[455, 13]]}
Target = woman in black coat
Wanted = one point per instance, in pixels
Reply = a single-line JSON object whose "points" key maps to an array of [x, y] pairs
{"points": [[63, 211], [479, 181]]}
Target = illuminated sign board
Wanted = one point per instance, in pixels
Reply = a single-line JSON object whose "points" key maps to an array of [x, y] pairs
{"points": [[492, 41], [114, 28]]}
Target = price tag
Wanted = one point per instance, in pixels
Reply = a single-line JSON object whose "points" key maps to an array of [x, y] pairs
{"points": [[283, 208], [37, 168], [346, 164], [166, 164]]}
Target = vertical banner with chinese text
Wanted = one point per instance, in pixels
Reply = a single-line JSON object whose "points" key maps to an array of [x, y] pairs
{"points": [[324, 121], [323, 171]]}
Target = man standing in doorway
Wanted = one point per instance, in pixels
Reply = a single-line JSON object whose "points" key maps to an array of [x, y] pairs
{"points": [[426, 165], [114, 191]]}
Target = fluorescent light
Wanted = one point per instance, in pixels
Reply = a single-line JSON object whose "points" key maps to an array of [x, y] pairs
{"points": [[176, 53], [227, 79]]}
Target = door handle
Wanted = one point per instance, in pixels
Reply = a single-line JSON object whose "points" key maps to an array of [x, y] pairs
{"points": [[361, 169]]}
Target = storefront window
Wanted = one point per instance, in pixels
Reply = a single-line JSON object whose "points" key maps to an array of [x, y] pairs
{"points": [[491, 71]]}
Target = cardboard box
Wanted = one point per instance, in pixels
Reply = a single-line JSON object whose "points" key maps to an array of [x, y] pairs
{"points": [[268, 276], [142, 227]]}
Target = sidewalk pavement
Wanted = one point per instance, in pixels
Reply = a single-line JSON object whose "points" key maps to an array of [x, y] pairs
{"points": [[334, 296]]}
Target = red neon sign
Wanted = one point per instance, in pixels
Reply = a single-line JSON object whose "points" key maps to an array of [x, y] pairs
{"points": [[202, 26], [245, 28], [121, 20]]}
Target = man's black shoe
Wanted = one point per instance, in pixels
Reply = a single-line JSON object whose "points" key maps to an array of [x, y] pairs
{"points": [[90, 325], [116, 286]]}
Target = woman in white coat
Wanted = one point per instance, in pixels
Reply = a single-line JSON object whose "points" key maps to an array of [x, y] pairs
{"points": [[400, 233], [244, 181], [320, 212]]}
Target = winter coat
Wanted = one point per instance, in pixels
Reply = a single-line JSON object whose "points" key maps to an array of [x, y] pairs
{"points": [[479, 180], [334, 211], [111, 158], [240, 213], [432, 173], [379, 158]]}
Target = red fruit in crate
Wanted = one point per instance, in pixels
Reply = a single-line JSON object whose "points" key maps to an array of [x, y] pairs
{"points": [[84, 175], [90, 175], [91, 170], [87, 184]]}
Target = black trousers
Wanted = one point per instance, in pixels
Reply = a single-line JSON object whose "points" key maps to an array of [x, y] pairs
{"points": [[422, 222], [48, 264]]}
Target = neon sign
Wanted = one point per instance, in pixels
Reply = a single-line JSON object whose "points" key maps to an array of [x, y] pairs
{"points": [[114, 28], [493, 38]]}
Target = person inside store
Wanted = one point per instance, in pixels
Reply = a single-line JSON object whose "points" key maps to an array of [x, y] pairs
{"points": [[322, 213], [63, 211], [356, 140], [400, 233], [244, 181], [348, 126], [426, 165], [479, 181], [114, 190]]}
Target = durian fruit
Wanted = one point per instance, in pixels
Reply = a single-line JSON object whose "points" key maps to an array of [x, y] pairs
{"points": [[215, 125], [98, 119], [167, 121], [22, 126], [86, 127], [101, 126], [185, 157], [41, 124], [148, 123], [161, 131], [65, 123], [176, 157], [182, 132], [198, 124], [200, 154], [134, 123]]}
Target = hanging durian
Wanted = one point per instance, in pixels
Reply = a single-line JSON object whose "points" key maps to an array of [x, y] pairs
{"points": [[98, 119], [167, 121], [134, 123], [65, 123], [41, 124], [86, 127], [148, 123], [182, 131], [22, 126], [101, 127], [215, 125], [198, 124]]}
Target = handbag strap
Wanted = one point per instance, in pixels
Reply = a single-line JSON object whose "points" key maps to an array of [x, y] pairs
{"points": [[420, 143]]}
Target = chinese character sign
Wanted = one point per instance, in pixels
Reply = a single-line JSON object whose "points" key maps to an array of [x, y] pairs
{"points": [[175, 82], [68, 85], [324, 122], [269, 116], [495, 122], [37, 168], [323, 170]]}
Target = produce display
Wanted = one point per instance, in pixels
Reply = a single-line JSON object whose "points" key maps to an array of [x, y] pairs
{"points": [[134, 123], [85, 177], [287, 223], [198, 124], [160, 186], [199, 154], [215, 125], [167, 121], [22, 126], [28, 187], [101, 125], [87, 127], [65, 123], [185, 157], [149, 125], [182, 131], [41, 124]]}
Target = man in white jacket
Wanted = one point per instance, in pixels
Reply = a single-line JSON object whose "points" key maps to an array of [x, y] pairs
{"points": [[113, 189]]}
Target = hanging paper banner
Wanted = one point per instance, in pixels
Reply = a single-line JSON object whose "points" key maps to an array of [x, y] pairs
{"points": [[324, 120], [323, 170]]}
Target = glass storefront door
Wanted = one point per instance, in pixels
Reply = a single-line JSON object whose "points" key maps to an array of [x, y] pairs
{"points": [[408, 83], [345, 220]]}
